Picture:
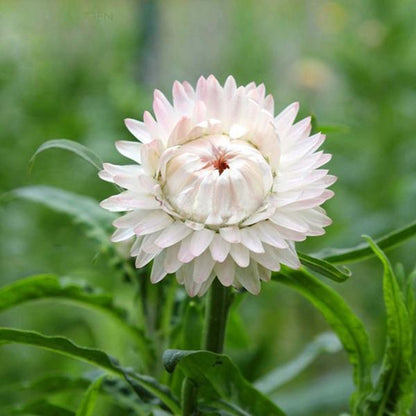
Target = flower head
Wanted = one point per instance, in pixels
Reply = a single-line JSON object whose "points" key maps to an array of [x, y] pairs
{"points": [[220, 187]]}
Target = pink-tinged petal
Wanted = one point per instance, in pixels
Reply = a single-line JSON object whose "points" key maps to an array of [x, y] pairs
{"points": [[128, 200], [129, 220], [149, 246], [155, 130], [136, 247], [283, 122], [240, 254], [172, 263], [251, 240], [264, 274], [231, 234], [203, 266], [237, 131], [219, 248], [122, 234], [165, 115], [172, 234], [158, 269], [130, 150], [269, 104], [144, 258], [206, 285], [249, 278], [110, 171], [230, 87], [185, 255], [298, 131], [150, 154], [200, 241], [225, 271], [184, 275], [289, 258], [292, 222], [138, 130], [181, 100], [269, 259], [153, 221], [269, 235]]}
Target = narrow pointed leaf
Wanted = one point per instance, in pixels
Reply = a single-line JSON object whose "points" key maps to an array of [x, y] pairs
{"points": [[324, 343], [79, 149], [82, 209], [86, 408], [344, 323], [325, 268], [393, 393], [46, 286], [220, 382], [64, 346], [363, 250]]}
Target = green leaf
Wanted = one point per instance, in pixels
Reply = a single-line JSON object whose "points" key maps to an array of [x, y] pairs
{"points": [[82, 209], [323, 343], [79, 149], [363, 250], [393, 393], [325, 268], [95, 357], [40, 407], [342, 320], [86, 408], [220, 382], [42, 287]]}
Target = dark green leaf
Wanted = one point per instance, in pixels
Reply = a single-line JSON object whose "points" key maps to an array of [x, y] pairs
{"points": [[324, 343], [96, 357], [82, 209], [87, 405], [40, 407], [220, 382], [71, 146], [325, 268], [64, 288], [363, 250], [343, 321], [393, 393]]}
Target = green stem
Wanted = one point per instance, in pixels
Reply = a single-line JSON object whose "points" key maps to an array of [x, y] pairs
{"points": [[218, 303]]}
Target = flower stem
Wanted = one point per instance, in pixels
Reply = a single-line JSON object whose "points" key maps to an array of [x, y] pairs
{"points": [[218, 303]]}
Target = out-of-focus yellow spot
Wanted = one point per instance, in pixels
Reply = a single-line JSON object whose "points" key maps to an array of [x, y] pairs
{"points": [[332, 17], [372, 33], [312, 73]]}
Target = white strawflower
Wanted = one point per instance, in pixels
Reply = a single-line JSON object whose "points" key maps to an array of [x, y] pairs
{"points": [[220, 187]]}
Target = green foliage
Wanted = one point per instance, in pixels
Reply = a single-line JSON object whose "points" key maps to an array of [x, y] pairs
{"points": [[323, 343], [82, 209], [220, 383], [364, 250], [64, 288], [394, 390], [87, 405], [325, 268], [344, 322], [41, 407], [79, 149], [92, 356]]}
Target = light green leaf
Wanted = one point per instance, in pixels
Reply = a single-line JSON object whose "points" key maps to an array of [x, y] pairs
{"points": [[393, 393], [323, 343], [40, 407], [87, 405], [363, 250], [79, 149], [342, 320], [82, 209], [220, 382], [42, 287], [325, 268], [95, 357]]}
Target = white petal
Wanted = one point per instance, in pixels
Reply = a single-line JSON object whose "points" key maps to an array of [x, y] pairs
{"points": [[153, 221], [130, 150], [240, 254], [185, 255], [128, 200], [200, 241], [230, 234], [268, 234], [172, 234], [158, 268], [249, 278], [225, 271], [219, 248], [138, 130], [172, 263], [129, 220], [122, 234], [251, 240], [203, 266], [285, 119]]}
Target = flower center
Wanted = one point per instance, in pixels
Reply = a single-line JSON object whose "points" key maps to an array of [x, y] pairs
{"points": [[215, 180]]}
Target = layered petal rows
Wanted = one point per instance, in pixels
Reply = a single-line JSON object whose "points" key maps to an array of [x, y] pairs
{"points": [[219, 187]]}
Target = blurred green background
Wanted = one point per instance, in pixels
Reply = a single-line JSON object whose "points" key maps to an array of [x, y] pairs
{"points": [[76, 69]]}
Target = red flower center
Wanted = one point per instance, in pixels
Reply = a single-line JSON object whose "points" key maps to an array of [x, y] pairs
{"points": [[221, 164]]}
